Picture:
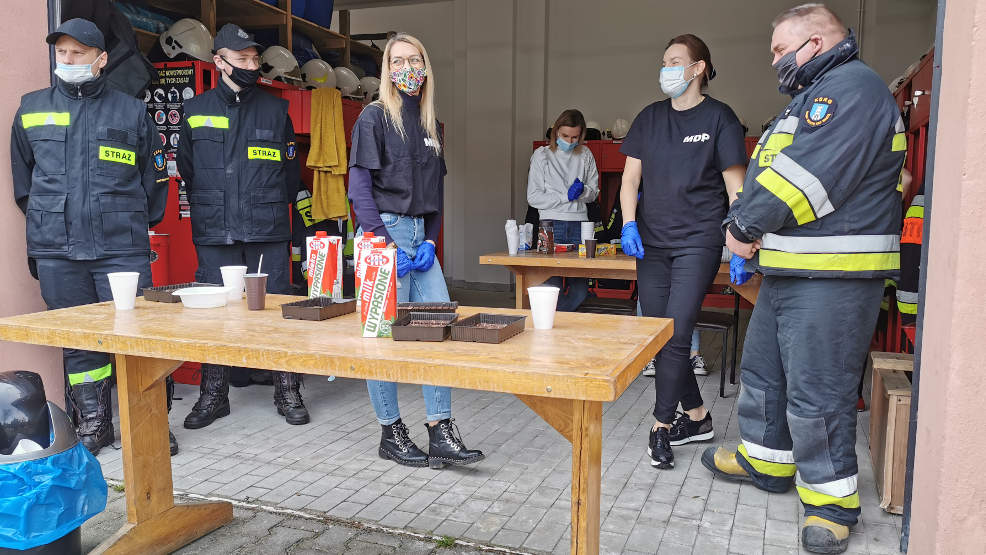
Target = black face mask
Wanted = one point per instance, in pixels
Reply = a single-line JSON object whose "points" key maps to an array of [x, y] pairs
{"points": [[243, 78]]}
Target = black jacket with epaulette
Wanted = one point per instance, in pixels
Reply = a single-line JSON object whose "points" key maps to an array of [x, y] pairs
{"points": [[89, 172]]}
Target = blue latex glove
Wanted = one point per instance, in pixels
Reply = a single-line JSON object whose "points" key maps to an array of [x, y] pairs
{"points": [[630, 241], [737, 274], [424, 258], [403, 263], [576, 190]]}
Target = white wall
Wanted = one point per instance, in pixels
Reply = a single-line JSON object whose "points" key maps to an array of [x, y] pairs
{"points": [[506, 68]]}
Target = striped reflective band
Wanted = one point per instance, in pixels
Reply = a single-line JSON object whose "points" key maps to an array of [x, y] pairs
{"points": [[907, 302], [779, 468], [263, 153], [804, 180], [918, 200], [899, 143], [842, 492], [787, 125], [45, 118], [118, 155], [831, 262], [835, 244], [776, 143], [915, 212], [899, 125], [219, 122], [788, 194], [90, 375]]}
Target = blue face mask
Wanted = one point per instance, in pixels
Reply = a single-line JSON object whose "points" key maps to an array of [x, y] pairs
{"points": [[673, 81], [564, 145], [76, 73]]}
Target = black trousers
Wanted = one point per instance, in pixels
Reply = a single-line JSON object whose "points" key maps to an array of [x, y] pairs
{"points": [[672, 284]]}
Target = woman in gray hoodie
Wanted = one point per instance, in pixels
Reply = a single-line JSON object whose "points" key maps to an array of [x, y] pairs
{"points": [[562, 180]]}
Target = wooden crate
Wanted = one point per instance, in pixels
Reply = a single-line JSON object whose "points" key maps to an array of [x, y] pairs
{"points": [[890, 419]]}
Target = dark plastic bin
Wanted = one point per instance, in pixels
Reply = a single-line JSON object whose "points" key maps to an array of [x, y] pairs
{"points": [[319, 308], [488, 328], [163, 293], [404, 309], [431, 326]]}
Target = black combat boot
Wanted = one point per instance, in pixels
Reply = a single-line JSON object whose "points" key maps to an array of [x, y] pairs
{"points": [[445, 446], [398, 447], [93, 401], [287, 398], [213, 400], [169, 387]]}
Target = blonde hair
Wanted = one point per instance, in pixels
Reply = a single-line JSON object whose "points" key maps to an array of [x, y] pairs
{"points": [[390, 96]]}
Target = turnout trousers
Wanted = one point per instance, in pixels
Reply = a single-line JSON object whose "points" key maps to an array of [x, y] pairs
{"points": [[802, 361]]}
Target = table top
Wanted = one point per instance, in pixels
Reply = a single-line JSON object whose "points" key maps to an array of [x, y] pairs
{"points": [[561, 260], [586, 356]]}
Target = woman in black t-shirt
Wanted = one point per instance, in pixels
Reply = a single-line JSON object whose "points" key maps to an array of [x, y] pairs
{"points": [[686, 160]]}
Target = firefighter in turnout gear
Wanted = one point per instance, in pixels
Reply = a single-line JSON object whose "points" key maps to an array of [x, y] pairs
{"points": [[819, 216], [911, 239], [89, 174], [236, 153]]}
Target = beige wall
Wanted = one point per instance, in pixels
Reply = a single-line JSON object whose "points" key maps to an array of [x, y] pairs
{"points": [[949, 495], [506, 68], [25, 57]]}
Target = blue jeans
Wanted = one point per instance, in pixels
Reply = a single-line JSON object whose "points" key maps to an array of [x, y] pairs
{"points": [[409, 232], [578, 288]]}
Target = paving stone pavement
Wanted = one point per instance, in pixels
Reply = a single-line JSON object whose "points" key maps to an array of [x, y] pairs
{"points": [[518, 498]]}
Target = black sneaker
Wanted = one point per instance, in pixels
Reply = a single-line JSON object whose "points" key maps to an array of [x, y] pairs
{"points": [[660, 449], [684, 430]]}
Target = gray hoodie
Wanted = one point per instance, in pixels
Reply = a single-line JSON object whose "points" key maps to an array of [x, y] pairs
{"points": [[552, 173]]}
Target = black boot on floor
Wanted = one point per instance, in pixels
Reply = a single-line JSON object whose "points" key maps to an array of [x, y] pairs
{"points": [[659, 449], [172, 444], [213, 400], [398, 447], [169, 385], [287, 398], [445, 446], [93, 401]]}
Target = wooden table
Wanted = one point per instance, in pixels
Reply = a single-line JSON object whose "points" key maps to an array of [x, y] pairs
{"points": [[531, 268], [563, 374]]}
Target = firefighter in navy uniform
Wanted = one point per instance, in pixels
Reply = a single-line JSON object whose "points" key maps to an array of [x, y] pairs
{"points": [[236, 153], [89, 174], [819, 216]]}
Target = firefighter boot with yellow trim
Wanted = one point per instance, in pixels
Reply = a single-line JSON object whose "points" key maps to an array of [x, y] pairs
{"points": [[722, 464], [819, 535]]}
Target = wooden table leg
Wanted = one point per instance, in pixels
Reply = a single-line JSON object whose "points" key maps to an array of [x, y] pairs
{"points": [[524, 277], [580, 422], [154, 523]]}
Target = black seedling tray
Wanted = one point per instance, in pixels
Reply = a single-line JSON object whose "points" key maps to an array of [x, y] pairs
{"points": [[404, 309], [319, 308], [436, 326], [163, 293], [471, 328]]}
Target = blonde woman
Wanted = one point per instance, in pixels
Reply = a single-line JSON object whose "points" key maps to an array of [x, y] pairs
{"points": [[396, 183]]}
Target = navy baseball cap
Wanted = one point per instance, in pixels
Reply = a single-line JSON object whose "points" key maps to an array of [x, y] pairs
{"points": [[82, 30], [233, 37]]}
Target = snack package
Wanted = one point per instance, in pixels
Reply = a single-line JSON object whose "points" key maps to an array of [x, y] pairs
{"points": [[378, 292], [324, 265], [603, 249], [362, 245]]}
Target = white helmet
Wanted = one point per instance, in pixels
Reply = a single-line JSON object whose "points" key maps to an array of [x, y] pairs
{"points": [[370, 86], [187, 36], [277, 61], [318, 73], [592, 124], [346, 81], [620, 128]]}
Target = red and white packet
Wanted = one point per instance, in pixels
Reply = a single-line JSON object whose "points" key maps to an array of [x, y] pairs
{"points": [[324, 265], [378, 292], [363, 244]]}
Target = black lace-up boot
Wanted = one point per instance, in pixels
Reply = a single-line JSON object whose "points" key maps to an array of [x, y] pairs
{"points": [[287, 398], [94, 403], [445, 446], [398, 447], [213, 400]]}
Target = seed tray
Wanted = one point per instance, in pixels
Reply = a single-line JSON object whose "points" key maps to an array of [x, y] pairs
{"points": [[319, 308], [163, 293], [423, 326], [406, 308], [487, 328]]}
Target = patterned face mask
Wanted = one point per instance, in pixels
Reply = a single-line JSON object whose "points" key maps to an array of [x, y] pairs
{"points": [[408, 79]]}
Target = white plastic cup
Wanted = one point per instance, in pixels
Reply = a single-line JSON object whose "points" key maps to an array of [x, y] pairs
{"points": [[544, 302], [233, 278], [588, 230], [123, 285]]}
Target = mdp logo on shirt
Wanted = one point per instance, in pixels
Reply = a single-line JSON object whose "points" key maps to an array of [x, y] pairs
{"points": [[822, 111], [700, 138]]}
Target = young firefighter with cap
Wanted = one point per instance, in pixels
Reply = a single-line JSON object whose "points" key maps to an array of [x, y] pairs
{"points": [[819, 216], [236, 153], [89, 174]]}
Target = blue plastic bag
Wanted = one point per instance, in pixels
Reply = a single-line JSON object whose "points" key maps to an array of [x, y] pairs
{"points": [[42, 500]]}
